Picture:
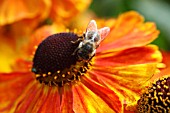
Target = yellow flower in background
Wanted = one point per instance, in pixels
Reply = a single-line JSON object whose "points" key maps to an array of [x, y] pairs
{"points": [[113, 79]]}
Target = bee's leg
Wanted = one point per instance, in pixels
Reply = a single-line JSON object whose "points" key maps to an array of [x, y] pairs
{"points": [[75, 51], [93, 54], [74, 42], [97, 46], [80, 45]]}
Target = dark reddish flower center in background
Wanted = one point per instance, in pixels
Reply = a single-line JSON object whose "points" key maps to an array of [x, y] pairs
{"points": [[157, 98], [54, 62]]}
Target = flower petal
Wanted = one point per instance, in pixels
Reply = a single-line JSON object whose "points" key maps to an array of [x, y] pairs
{"points": [[166, 57], [90, 97], [27, 10], [21, 65], [28, 99], [7, 56], [126, 81], [24, 94], [67, 9], [129, 31], [139, 55], [125, 75], [165, 71], [67, 99], [13, 86], [49, 102]]}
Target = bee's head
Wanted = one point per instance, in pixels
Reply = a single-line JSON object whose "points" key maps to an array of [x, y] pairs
{"points": [[93, 35]]}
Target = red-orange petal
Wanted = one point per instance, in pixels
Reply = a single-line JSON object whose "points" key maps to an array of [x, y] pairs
{"points": [[28, 99], [129, 31], [51, 103], [12, 85], [91, 97], [166, 58], [132, 56], [164, 71], [41, 99], [67, 99], [22, 93]]}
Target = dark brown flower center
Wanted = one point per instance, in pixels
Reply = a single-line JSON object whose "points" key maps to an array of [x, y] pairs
{"points": [[54, 62], [157, 98]]}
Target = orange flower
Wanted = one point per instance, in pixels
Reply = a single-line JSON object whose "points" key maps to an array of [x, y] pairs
{"points": [[62, 83]]}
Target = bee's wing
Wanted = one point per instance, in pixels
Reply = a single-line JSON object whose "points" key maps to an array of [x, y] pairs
{"points": [[103, 32], [92, 26]]}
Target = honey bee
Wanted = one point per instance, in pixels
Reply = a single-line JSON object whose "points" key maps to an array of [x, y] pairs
{"points": [[90, 41]]}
